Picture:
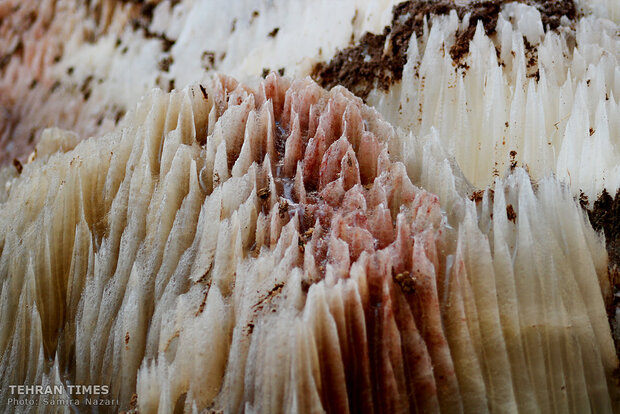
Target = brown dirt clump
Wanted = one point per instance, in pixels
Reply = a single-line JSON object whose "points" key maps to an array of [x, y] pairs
{"points": [[378, 59], [605, 215]]}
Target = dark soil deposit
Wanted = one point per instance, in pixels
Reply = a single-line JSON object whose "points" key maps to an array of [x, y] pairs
{"points": [[370, 63], [605, 216]]}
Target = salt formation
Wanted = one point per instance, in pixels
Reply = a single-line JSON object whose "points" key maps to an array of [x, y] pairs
{"points": [[546, 99], [51, 70], [282, 248], [548, 96], [273, 250], [81, 65]]}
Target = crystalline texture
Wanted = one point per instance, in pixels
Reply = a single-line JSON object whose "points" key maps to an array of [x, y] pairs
{"points": [[273, 250]]}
